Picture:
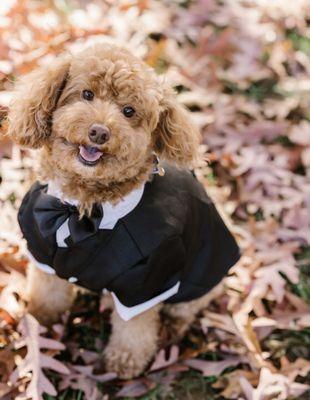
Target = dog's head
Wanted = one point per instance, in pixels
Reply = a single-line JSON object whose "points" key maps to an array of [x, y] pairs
{"points": [[99, 115]]}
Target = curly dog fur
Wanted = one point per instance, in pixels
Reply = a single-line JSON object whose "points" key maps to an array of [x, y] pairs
{"points": [[49, 112]]}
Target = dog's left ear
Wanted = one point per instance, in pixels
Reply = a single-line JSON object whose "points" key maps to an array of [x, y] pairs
{"points": [[176, 138]]}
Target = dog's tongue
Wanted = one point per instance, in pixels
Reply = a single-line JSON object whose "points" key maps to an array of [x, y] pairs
{"points": [[90, 153]]}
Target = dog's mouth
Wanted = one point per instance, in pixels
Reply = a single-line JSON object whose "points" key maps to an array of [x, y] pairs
{"points": [[90, 155]]}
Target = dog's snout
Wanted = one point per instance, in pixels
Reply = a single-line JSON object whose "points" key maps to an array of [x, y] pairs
{"points": [[99, 134]]}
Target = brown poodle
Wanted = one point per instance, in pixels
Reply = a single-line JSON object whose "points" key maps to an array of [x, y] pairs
{"points": [[98, 118]]}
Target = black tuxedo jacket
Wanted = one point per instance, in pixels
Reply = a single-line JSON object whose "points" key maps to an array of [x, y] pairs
{"points": [[174, 234]]}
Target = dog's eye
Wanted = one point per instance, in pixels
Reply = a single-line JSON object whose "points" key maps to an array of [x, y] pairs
{"points": [[88, 95], [128, 111]]}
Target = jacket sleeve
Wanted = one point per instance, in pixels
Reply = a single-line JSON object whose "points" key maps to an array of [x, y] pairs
{"points": [[42, 249]]}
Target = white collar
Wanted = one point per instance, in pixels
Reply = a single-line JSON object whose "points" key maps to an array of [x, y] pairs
{"points": [[111, 212]]}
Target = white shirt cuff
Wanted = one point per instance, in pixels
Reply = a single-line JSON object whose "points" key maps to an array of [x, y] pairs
{"points": [[126, 313]]}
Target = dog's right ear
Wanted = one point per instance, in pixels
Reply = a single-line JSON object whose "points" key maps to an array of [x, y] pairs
{"points": [[34, 101]]}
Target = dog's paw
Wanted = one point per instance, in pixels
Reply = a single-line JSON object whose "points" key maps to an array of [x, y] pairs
{"points": [[125, 363]]}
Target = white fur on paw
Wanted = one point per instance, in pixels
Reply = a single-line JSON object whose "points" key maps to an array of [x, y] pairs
{"points": [[125, 363]]}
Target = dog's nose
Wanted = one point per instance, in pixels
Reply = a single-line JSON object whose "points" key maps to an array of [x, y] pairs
{"points": [[99, 134]]}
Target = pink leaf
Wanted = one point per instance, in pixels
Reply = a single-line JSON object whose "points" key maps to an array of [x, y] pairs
{"points": [[136, 388], [35, 360], [162, 362], [273, 385], [212, 367]]}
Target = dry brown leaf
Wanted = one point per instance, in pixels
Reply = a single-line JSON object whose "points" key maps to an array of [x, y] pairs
{"points": [[213, 367], [162, 362], [276, 386], [35, 360], [83, 378], [230, 383], [136, 388]]}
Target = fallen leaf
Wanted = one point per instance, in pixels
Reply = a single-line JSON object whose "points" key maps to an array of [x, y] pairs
{"points": [[35, 360], [136, 388], [162, 362], [208, 368], [272, 385]]}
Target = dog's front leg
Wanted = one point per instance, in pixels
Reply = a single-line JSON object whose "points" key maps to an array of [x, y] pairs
{"points": [[48, 296], [132, 343], [183, 314]]}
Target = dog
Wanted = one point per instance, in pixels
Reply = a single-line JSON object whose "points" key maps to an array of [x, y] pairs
{"points": [[116, 206]]}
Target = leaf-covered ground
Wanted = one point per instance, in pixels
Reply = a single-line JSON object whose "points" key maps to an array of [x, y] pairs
{"points": [[242, 68]]}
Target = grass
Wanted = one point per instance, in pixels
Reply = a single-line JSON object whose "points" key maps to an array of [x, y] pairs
{"points": [[193, 386], [299, 42]]}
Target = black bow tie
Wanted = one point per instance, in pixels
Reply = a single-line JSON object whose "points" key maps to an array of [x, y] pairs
{"points": [[50, 213]]}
